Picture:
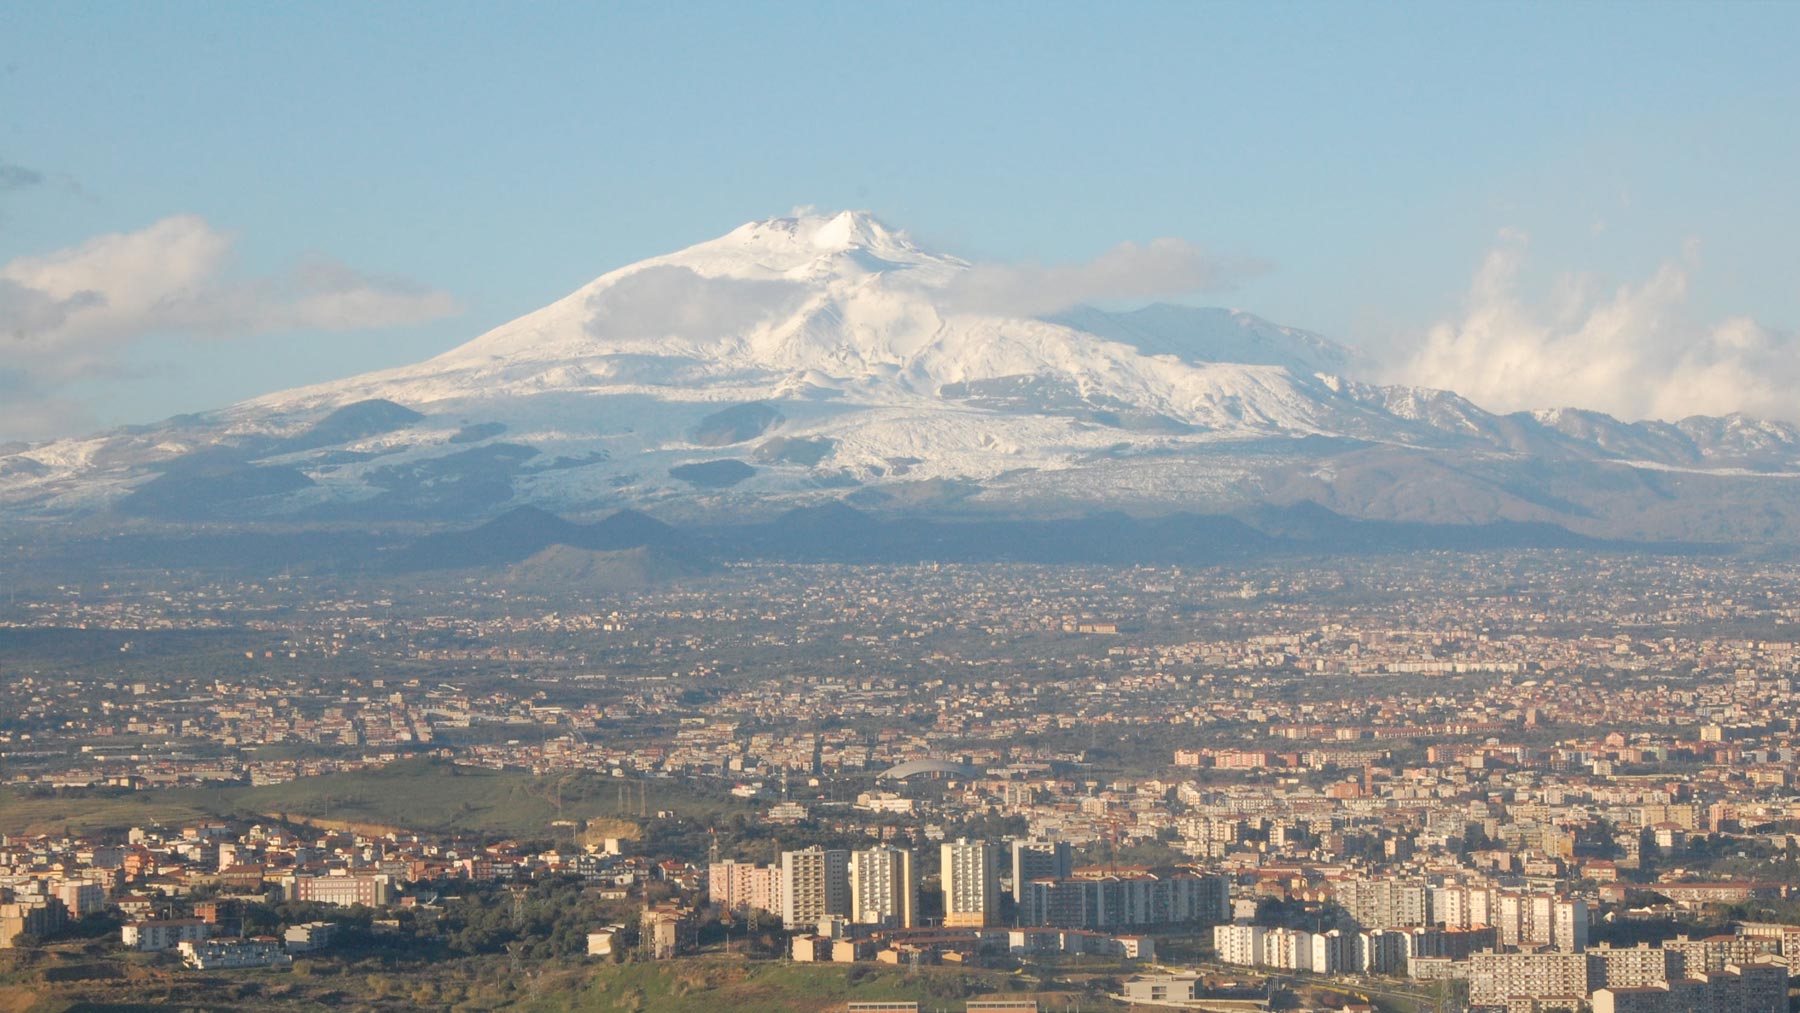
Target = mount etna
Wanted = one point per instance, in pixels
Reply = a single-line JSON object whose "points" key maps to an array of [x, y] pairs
{"points": [[829, 363]]}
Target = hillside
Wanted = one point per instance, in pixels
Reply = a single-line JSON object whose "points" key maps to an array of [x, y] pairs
{"points": [[423, 795], [67, 978]]}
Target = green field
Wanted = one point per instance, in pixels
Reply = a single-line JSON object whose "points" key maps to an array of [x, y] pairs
{"points": [[52, 981], [429, 796], [772, 986], [90, 813]]}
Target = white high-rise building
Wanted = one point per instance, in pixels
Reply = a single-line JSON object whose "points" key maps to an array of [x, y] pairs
{"points": [[1509, 918], [814, 883], [1540, 919], [1569, 924], [971, 877], [1239, 944], [1385, 903], [884, 889]]}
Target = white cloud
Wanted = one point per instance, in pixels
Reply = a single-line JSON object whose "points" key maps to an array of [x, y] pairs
{"points": [[669, 301], [66, 316], [1159, 268], [1634, 351]]}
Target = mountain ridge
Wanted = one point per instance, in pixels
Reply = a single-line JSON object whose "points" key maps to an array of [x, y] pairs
{"points": [[802, 360]]}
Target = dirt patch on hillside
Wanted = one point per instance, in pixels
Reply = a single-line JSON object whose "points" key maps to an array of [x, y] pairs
{"points": [[348, 826], [601, 827]]}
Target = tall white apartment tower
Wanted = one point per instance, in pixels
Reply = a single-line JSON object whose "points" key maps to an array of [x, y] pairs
{"points": [[884, 889], [1569, 926], [971, 876]]}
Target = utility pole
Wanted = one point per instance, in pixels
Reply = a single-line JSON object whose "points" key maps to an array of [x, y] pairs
{"points": [[513, 952]]}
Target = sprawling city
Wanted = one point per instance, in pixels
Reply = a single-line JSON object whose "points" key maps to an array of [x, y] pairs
{"points": [[926, 507], [1525, 780]]}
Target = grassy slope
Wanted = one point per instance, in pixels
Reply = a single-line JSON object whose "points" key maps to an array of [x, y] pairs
{"points": [[423, 795], [763, 987], [436, 796], [702, 985], [99, 813]]}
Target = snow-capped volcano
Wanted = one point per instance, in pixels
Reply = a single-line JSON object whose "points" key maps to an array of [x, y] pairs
{"points": [[823, 307], [821, 357]]}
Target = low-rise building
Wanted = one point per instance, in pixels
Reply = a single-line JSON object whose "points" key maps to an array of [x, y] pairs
{"points": [[227, 954], [309, 936], [604, 942], [163, 934], [669, 930], [1161, 988]]}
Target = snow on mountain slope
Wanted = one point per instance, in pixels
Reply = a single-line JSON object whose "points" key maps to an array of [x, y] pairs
{"points": [[801, 358], [813, 307]]}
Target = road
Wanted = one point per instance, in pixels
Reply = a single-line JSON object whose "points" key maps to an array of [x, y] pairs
{"points": [[1420, 1000]]}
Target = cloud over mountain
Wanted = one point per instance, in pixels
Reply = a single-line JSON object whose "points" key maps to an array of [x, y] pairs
{"points": [[668, 300], [65, 316], [1634, 351], [1161, 268]]}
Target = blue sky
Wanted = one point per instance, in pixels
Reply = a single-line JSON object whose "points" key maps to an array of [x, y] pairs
{"points": [[455, 165]]}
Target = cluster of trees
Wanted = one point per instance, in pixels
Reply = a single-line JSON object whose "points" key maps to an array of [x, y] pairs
{"points": [[542, 920]]}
